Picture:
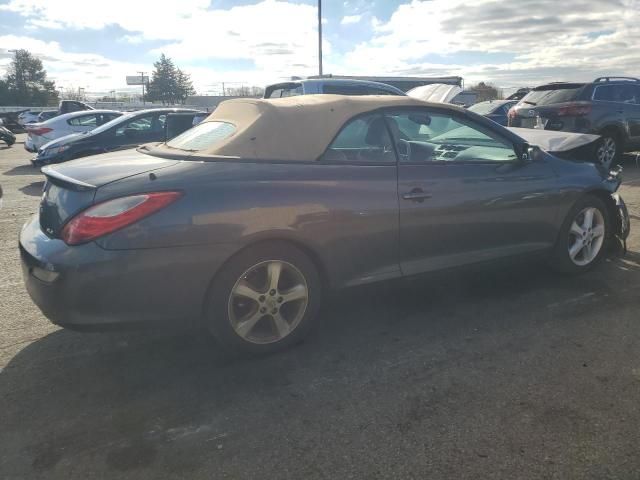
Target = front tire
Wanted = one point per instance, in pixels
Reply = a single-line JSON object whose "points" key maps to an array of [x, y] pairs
{"points": [[264, 299], [583, 237], [609, 150]]}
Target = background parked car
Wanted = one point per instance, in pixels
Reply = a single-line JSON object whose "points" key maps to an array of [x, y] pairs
{"points": [[59, 126], [126, 131], [608, 106], [443, 93], [496, 110], [47, 115], [338, 86], [6, 135], [28, 116], [68, 106]]}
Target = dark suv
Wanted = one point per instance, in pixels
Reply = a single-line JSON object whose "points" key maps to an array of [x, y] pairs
{"points": [[608, 106]]}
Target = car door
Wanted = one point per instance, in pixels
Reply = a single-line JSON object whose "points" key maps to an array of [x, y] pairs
{"points": [[464, 194], [357, 178]]}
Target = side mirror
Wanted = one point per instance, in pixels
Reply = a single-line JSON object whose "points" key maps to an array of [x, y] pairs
{"points": [[527, 153]]}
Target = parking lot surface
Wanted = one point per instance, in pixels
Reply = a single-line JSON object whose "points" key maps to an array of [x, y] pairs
{"points": [[510, 372]]}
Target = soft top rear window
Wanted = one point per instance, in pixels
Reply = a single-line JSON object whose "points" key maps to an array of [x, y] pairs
{"points": [[553, 93], [203, 136]]}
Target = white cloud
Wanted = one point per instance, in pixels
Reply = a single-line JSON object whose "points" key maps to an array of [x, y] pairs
{"points": [[549, 40], [348, 19], [532, 41], [277, 36], [90, 71]]}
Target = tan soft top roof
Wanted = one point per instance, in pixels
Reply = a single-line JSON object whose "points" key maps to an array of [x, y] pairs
{"points": [[295, 128]]}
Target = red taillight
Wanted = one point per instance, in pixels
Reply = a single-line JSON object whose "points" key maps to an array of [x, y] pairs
{"points": [[113, 215], [574, 110], [38, 130]]}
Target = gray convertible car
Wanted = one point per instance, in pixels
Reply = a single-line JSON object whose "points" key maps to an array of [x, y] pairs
{"points": [[241, 223]]}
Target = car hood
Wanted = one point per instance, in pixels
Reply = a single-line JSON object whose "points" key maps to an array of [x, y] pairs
{"points": [[99, 170], [551, 141]]}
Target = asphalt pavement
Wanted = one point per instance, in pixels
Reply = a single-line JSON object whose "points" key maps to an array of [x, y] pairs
{"points": [[489, 373]]}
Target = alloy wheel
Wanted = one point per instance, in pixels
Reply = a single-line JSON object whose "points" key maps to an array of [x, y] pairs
{"points": [[268, 302], [586, 236], [606, 153]]}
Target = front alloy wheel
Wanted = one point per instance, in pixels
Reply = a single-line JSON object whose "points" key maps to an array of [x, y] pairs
{"points": [[586, 236], [582, 239]]}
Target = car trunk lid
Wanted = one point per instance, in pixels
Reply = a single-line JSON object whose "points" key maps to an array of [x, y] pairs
{"points": [[71, 187]]}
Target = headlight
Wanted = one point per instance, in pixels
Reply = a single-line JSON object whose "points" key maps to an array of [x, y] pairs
{"points": [[53, 150]]}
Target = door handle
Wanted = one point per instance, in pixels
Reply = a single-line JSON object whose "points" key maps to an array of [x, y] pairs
{"points": [[417, 195]]}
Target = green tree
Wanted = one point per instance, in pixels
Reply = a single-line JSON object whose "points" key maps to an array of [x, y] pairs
{"points": [[26, 82], [185, 86], [168, 84], [485, 91], [163, 86]]}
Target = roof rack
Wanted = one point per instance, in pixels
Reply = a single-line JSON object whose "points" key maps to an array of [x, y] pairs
{"points": [[610, 79]]}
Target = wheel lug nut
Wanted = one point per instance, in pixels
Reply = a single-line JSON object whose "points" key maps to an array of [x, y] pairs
{"points": [[280, 299], [261, 298], [263, 310], [272, 292]]}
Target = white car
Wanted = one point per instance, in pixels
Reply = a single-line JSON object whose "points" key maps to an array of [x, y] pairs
{"points": [[28, 116], [76, 122]]}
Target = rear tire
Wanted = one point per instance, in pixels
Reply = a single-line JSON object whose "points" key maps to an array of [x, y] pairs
{"points": [[264, 299], [582, 243]]}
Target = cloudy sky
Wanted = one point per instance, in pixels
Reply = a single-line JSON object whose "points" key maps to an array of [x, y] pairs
{"points": [[94, 44]]}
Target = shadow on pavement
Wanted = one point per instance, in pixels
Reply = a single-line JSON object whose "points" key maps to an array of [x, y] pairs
{"points": [[170, 400], [23, 170], [34, 189]]}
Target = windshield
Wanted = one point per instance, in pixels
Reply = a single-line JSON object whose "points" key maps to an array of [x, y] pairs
{"points": [[483, 108], [203, 136], [552, 94]]}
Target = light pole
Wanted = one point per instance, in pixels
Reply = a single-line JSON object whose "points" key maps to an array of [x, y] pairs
{"points": [[142, 81], [320, 37]]}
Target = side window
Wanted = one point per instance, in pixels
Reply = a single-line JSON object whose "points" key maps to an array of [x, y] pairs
{"points": [[135, 127], [626, 94], [603, 93], [83, 121], [423, 136], [364, 139], [616, 93], [107, 117], [345, 89], [378, 91], [160, 122]]}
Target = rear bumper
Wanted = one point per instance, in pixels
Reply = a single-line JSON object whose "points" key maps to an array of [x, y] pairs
{"points": [[87, 286], [29, 146]]}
